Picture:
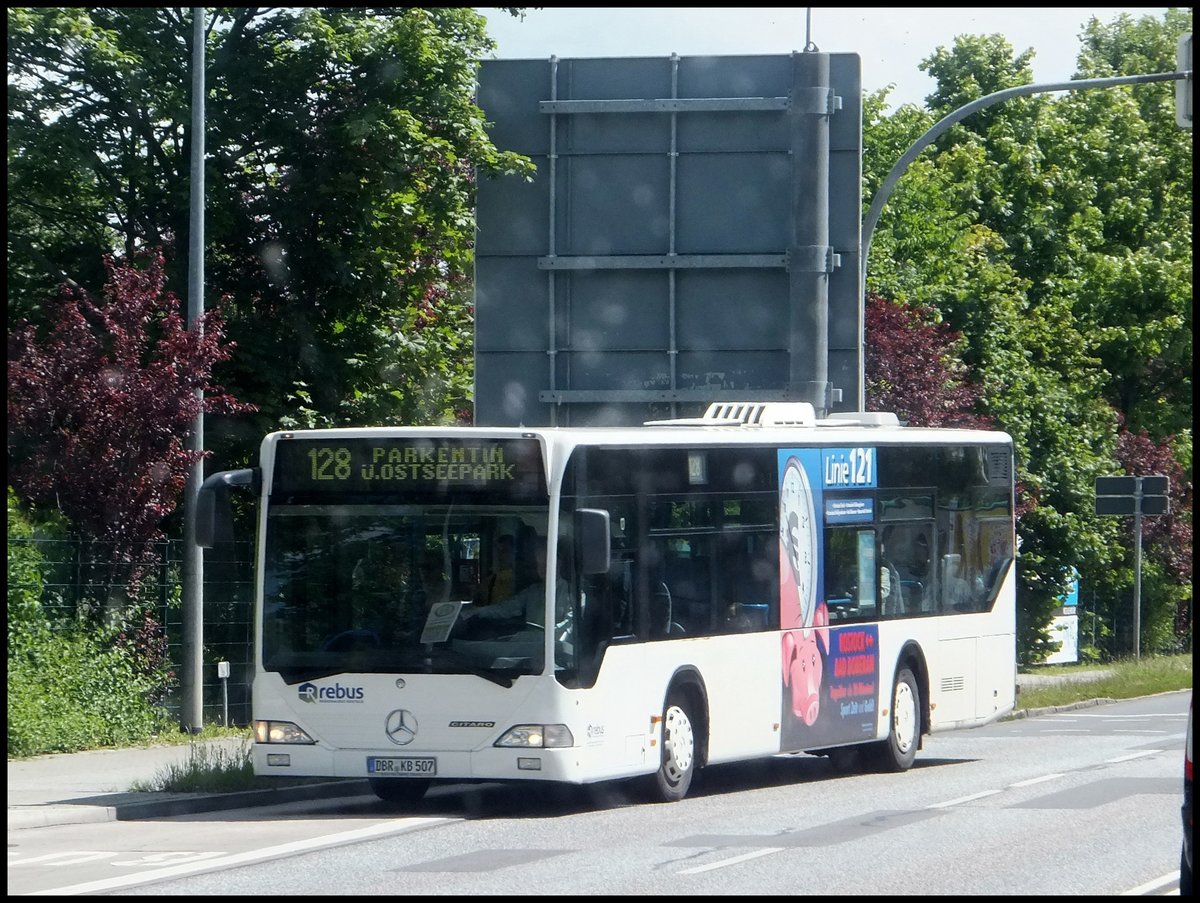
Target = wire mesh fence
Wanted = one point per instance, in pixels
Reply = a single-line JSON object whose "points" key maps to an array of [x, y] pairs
{"points": [[80, 581]]}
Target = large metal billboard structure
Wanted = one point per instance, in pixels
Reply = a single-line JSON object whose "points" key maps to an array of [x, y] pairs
{"points": [[692, 235]]}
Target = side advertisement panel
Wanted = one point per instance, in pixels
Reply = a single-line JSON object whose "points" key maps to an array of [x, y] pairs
{"points": [[830, 674]]}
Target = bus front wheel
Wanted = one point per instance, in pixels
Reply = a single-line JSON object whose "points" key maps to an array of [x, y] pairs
{"points": [[898, 751], [674, 775], [399, 790]]}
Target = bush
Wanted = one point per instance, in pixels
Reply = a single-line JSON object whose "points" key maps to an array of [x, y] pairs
{"points": [[26, 582], [70, 687], [73, 691]]}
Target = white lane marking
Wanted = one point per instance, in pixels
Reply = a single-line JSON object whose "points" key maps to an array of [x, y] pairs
{"points": [[1150, 887], [1111, 717], [68, 857], [1032, 781], [963, 799], [1132, 756], [1131, 730], [174, 857], [394, 826], [766, 851]]}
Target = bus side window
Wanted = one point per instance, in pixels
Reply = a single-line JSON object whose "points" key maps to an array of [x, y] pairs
{"points": [[906, 549], [750, 577], [956, 594], [670, 586], [849, 573], [868, 573], [620, 597]]}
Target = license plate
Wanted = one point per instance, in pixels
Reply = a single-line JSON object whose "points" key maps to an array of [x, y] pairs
{"points": [[402, 766]]}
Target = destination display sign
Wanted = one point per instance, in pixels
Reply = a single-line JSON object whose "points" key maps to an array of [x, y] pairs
{"points": [[512, 468]]}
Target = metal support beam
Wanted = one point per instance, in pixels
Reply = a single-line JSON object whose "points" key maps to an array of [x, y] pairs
{"points": [[808, 288]]}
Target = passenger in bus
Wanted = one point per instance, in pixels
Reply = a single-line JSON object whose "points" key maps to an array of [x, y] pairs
{"points": [[738, 619], [498, 585], [917, 572], [956, 591], [529, 603], [891, 593], [906, 547]]}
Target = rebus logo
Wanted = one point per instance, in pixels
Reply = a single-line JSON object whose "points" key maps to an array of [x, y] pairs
{"points": [[336, 693]]}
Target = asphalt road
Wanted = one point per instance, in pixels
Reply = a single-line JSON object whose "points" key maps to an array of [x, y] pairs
{"points": [[1079, 802]]}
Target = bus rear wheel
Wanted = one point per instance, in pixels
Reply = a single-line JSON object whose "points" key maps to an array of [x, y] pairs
{"points": [[399, 790], [674, 775], [898, 751]]}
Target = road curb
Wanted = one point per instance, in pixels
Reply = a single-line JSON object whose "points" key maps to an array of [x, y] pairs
{"points": [[212, 802], [162, 805], [1052, 709]]}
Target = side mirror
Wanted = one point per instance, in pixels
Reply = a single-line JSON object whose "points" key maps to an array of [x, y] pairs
{"points": [[212, 503], [593, 541]]}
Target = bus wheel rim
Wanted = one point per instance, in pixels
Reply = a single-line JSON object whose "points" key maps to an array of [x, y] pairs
{"points": [[678, 743], [904, 718]]}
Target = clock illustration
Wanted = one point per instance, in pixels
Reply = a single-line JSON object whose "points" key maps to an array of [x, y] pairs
{"points": [[798, 535]]}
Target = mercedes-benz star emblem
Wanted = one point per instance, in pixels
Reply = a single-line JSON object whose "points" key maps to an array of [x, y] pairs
{"points": [[401, 727]]}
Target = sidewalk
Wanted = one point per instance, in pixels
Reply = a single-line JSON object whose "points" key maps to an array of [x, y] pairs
{"points": [[86, 787], [1043, 680], [1029, 681]]}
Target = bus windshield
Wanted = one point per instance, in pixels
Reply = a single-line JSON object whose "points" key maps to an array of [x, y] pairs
{"points": [[371, 573]]}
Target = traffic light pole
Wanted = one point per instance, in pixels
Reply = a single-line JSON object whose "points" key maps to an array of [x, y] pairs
{"points": [[885, 190], [191, 714]]}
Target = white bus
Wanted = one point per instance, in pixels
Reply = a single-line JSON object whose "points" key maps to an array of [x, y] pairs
{"points": [[748, 583]]}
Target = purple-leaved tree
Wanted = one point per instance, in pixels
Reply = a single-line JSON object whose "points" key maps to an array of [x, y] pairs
{"points": [[100, 408], [913, 368]]}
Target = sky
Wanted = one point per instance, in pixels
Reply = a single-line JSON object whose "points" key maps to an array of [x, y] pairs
{"points": [[892, 42]]}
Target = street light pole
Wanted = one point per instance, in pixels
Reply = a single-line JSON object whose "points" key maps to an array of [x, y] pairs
{"points": [[956, 116], [191, 718]]}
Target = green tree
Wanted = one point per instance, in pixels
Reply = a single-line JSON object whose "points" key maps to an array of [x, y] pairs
{"points": [[1091, 194], [1034, 229], [1135, 277], [342, 146]]}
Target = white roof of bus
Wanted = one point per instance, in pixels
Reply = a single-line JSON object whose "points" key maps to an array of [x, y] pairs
{"points": [[723, 423], [678, 435]]}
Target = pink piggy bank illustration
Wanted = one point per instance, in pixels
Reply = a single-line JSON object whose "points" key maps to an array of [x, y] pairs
{"points": [[802, 668]]}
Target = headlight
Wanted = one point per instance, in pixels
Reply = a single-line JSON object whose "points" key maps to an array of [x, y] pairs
{"points": [[539, 736], [279, 732]]}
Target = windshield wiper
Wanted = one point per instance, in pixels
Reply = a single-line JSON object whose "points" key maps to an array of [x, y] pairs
{"points": [[292, 676], [420, 664], [295, 675], [504, 678]]}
